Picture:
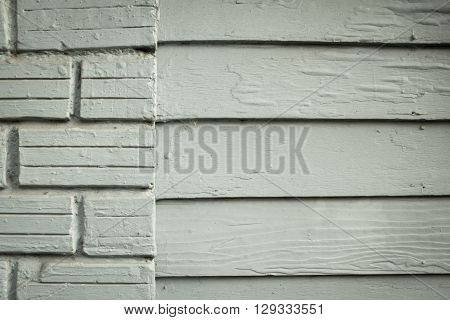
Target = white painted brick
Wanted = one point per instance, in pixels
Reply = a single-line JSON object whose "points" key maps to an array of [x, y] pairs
{"points": [[3, 156], [34, 88], [62, 25], [120, 226], [85, 278], [4, 275], [119, 89], [86, 158], [36, 224]]}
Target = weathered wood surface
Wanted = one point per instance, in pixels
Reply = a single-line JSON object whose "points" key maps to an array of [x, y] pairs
{"points": [[122, 89], [308, 237], [308, 82], [81, 278], [63, 25], [403, 287], [365, 21], [34, 88], [86, 158], [119, 226], [3, 156], [336, 159], [36, 224], [3, 30]]}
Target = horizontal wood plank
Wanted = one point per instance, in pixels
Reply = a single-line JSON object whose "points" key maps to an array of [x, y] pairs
{"points": [[303, 237], [80, 4], [403, 287], [121, 69], [365, 21], [308, 82], [301, 158], [40, 68]]}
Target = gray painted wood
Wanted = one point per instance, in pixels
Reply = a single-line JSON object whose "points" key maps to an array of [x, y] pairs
{"points": [[340, 159], [32, 224], [4, 279], [305, 288], [125, 67], [33, 87], [308, 82], [365, 21], [3, 156], [303, 237], [74, 137], [119, 226], [115, 88], [87, 177], [82, 278], [85, 24]]}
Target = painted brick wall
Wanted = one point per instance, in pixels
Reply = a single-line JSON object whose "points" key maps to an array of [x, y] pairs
{"points": [[77, 112]]}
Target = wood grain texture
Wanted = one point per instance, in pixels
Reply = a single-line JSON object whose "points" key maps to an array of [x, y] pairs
{"points": [[365, 21], [3, 156], [403, 287], [120, 226], [308, 237], [248, 159], [86, 24], [36, 205], [82, 278], [308, 82]]}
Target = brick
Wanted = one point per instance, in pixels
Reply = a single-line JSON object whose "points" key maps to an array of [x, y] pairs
{"points": [[34, 88], [123, 226], [85, 278], [4, 275], [86, 158], [122, 89], [36, 225], [3, 157], [61, 25]]}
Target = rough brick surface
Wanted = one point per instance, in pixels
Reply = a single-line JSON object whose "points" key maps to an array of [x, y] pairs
{"points": [[119, 226], [118, 89], [62, 25], [4, 279], [36, 225], [3, 155], [85, 278], [86, 158], [34, 88]]}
